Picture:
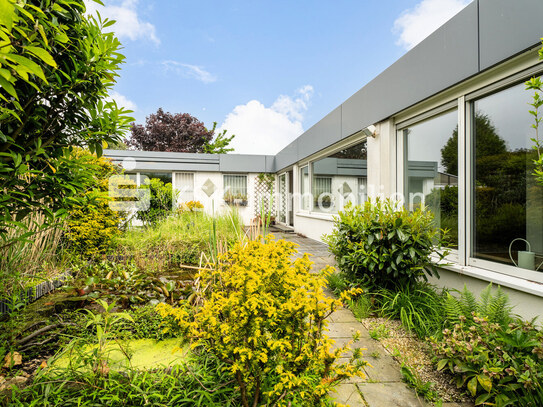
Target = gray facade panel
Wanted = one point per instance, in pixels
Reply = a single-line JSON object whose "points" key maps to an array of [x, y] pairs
{"points": [[173, 166], [287, 156], [270, 163], [167, 161], [508, 27], [161, 156], [321, 135], [242, 163], [446, 57]]}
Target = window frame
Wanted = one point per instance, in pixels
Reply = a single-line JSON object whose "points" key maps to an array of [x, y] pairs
{"points": [[301, 183], [224, 175], [191, 190]]}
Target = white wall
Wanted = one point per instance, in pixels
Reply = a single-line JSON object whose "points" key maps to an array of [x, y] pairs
{"points": [[311, 226], [215, 202]]}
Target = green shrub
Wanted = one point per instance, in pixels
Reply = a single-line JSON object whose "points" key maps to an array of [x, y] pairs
{"points": [[385, 246], [162, 197], [500, 366], [419, 307], [93, 228]]}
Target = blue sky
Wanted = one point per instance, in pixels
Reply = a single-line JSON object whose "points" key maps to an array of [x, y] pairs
{"points": [[264, 70]]}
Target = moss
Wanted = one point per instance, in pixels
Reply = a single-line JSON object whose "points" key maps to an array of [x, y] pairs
{"points": [[145, 354]]}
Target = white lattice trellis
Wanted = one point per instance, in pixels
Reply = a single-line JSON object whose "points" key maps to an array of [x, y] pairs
{"points": [[263, 196]]}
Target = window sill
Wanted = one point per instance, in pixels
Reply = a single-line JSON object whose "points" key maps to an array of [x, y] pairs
{"points": [[501, 279], [317, 215]]}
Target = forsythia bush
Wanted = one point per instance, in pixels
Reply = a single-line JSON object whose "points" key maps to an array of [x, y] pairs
{"points": [[264, 316]]}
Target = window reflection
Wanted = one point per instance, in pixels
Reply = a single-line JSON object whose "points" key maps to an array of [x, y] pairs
{"points": [[340, 178], [165, 177], [508, 200], [432, 170]]}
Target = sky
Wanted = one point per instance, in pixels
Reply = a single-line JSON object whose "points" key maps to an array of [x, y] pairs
{"points": [[265, 71]]}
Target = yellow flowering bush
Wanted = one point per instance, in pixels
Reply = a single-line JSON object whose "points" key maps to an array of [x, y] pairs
{"points": [[190, 206], [263, 314], [92, 225]]}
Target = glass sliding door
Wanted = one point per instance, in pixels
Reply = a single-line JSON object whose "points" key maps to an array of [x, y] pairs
{"points": [[507, 199]]}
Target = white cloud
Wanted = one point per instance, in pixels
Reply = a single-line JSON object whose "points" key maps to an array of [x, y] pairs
{"points": [[416, 24], [189, 71], [266, 130], [122, 101], [128, 23]]}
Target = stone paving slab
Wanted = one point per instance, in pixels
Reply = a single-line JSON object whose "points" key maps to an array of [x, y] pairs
{"points": [[382, 386], [390, 395], [345, 330], [342, 315], [368, 347], [347, 393], [384, 369]]}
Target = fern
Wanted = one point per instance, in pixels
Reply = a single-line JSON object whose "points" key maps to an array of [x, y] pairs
{"points": [[453, 309], [496, 308], [493, 305], [468, 302]]}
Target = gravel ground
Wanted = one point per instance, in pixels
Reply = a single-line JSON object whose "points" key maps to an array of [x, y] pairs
{"points": [[415, 353]]}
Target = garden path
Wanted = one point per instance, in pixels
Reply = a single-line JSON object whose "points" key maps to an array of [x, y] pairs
{"points": [[383, 385]]}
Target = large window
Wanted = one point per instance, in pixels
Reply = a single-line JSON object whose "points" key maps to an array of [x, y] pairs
{"points": [[235, 189], [340, 178], [507, 199], [432, 170]]}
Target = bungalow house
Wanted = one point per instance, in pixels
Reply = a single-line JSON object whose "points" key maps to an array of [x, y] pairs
{"points": [[447, 124]]}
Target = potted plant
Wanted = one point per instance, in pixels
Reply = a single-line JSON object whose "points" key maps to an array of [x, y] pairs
{"points": [[235, 199]]}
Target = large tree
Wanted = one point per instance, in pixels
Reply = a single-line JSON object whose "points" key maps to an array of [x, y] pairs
{"points": [[178, 132], [56, 69]]}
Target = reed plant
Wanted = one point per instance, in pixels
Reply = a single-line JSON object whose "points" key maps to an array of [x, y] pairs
{"points": [[180, 239], [33, 258]]}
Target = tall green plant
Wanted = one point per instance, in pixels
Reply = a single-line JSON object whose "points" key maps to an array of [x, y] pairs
{"points": [[386, 246], [419, 308], [57, 67]]}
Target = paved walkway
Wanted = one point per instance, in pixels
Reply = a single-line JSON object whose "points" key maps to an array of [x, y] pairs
{"points": [[383, 385]]}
